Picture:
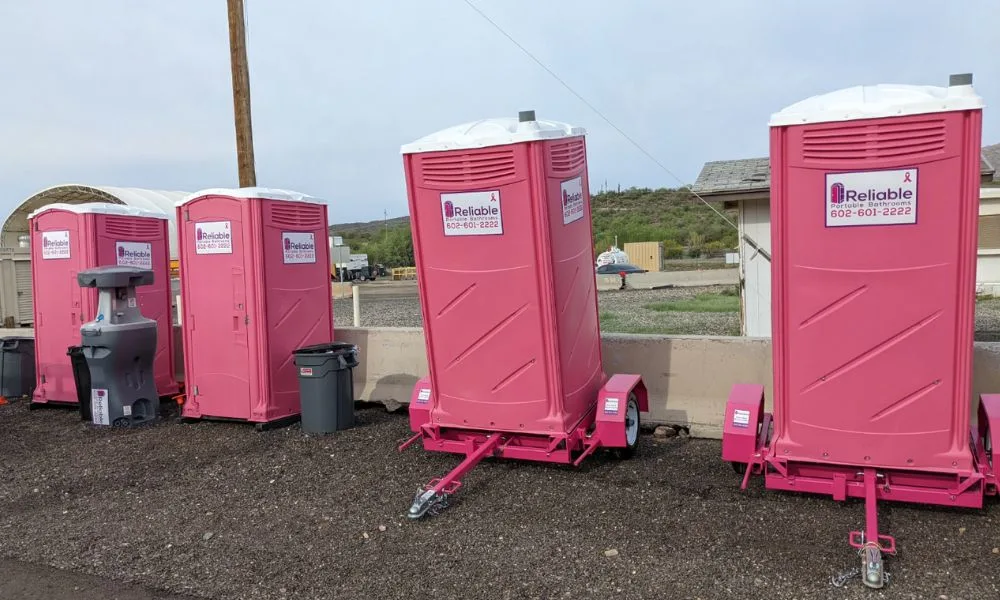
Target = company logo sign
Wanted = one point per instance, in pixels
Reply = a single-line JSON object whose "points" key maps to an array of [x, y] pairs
{"points": [[134, 254], [837, 194], [298, 248], [100, 407], [472, 213], [862, 198], [572, 200], [213, 237], [55, 244]]}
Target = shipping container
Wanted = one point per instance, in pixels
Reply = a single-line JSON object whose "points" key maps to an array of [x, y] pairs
{"points": [[645, 255]]}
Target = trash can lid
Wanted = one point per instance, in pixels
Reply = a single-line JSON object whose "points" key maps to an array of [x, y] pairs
{"points": [[327, 348], [5, 342]]}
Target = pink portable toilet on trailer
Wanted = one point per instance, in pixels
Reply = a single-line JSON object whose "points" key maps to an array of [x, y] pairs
{"points": [[500, 214], [69, 238], [875, 196], [255, 286]]}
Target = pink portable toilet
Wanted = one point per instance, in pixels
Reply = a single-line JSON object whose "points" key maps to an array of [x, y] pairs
{"points": [[255, 286], [875, 195], [69, 238], [500, 214]]}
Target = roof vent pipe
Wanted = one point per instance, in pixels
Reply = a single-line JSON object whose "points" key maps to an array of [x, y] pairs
{"points": [[960, 79]]}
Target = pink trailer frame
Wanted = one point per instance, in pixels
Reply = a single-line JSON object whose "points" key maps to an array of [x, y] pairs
{"points": [[255, 286], [69, 238], [500, 213], [872, 345]]}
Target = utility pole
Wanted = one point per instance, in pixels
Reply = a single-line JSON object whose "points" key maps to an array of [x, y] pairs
{"points": [[241, 93], [385, 217]]}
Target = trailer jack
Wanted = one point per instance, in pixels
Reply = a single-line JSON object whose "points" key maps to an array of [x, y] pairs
{"points": [[433, 498], [871, 546]]}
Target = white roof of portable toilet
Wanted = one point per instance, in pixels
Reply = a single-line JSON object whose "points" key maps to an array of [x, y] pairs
{"points": [[251, 192], [100, 208], [491, 132], [879, 101], [151, 201]]}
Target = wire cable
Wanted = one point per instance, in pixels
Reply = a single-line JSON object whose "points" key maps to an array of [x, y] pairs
{"points": [[627, 137]]}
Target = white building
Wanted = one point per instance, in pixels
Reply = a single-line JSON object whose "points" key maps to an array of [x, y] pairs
{"points": [[746, 185]]}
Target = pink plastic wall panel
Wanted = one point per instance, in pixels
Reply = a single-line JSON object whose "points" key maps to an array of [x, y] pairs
{"points": [[219, 349], [874, 226], [144, 243], [296, 296], [249, 300], [567, 198], [507, 291], [58, 252]]}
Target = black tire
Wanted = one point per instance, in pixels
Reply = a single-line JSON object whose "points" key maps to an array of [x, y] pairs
{"points": [[739, 468], [631, 429]]}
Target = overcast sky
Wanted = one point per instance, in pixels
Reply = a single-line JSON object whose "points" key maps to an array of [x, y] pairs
{"points": [[137, 93]]}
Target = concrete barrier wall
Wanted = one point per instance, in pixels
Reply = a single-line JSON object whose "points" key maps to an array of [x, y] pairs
{"points": [[646, 281], [688, 377]]}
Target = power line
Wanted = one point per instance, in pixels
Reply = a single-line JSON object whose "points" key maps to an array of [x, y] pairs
{"points": [[600, 114]]}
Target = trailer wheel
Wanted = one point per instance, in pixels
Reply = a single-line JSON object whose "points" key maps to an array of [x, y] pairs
{"points": [[631, 428]]}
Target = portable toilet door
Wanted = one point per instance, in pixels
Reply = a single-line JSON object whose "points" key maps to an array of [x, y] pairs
{"points": [[217, 340], [57, 255]]}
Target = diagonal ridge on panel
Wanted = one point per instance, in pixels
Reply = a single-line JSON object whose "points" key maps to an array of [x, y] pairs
{"points": [[833, 306], [454, 301], [488, 335], [872, 352]]}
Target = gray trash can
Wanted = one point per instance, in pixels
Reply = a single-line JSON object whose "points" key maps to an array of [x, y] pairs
{"points": [[17, 366], [326, 386]]}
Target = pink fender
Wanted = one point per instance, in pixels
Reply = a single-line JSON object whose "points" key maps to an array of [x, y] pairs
{"points": [[421, 401], [612, 400], [989, 425], [744, 413]]}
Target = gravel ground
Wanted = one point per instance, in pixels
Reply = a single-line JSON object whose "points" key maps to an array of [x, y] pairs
{"points": [[622, 311], [988, 320], [218, 510]]}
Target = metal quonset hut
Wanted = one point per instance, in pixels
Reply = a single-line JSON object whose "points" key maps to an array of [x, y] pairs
{"points": [[15, 261]]}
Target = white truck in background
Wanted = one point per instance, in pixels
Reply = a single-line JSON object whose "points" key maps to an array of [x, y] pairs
{"points": [[345, 266], [357, 267]]}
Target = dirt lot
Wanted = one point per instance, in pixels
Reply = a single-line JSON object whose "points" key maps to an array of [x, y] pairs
{"points": [[221, 511]]}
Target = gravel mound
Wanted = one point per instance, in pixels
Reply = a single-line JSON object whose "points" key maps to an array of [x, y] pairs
{"points": [[218, 510]]}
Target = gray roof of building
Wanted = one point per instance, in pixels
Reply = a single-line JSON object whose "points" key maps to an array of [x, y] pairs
{"points": [[744, 175], [754, 174], [991, 161]]}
